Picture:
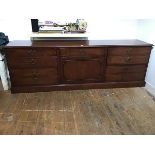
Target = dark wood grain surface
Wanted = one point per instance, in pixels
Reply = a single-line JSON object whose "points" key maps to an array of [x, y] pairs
{"points": [[77, 43], [65, 65]]}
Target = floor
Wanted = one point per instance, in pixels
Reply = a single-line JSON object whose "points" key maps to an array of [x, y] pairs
{"points": [[98, 111]]}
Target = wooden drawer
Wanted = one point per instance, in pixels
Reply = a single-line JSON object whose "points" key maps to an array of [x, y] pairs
{"points": [[31, 62], [21, 77], [83, 52], [129, 51], [124, 69], [125, 73], [127, 55], [114, 60], [30, 52]]}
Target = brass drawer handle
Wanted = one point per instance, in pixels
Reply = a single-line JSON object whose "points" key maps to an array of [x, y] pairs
{"points": [[128, 59], [31, 52], [35, 78], [33, 61]]}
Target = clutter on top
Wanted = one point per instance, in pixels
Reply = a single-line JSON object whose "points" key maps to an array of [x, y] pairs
{"points": [[79, 26]]}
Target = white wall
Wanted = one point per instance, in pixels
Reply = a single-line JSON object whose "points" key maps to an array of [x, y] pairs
{"points": [[66, 9], [146, 32], [112, 29], [18, 29], [15, 16]]}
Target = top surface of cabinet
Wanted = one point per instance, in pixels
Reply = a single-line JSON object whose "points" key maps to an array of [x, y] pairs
{"points": [[73, 43]]}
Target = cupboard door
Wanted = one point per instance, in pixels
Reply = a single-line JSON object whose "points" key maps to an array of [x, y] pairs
{"points": [[77, 71]]}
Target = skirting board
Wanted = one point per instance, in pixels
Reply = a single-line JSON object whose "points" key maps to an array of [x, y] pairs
{"points": [[150, 88]]}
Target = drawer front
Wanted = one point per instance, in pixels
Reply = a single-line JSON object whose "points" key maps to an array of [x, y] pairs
{"points": [[77, 71], [124, 69], [83, 52], [31, 62], [129, 51], [127, 55], [112, 60], [21, 77], [125, 73], [30, 52]]}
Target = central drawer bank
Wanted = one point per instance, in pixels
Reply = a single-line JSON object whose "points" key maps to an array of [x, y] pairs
{"points": [[65, 65]]}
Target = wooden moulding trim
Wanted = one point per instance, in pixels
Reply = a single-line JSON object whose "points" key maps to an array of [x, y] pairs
{"points": [[22, 89]]}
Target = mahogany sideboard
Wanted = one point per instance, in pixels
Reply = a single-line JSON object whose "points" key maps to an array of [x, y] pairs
{"points": [[67, 64]]}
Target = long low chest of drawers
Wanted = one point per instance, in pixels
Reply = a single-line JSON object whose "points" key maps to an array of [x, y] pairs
{"points": [[65, 65]]}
